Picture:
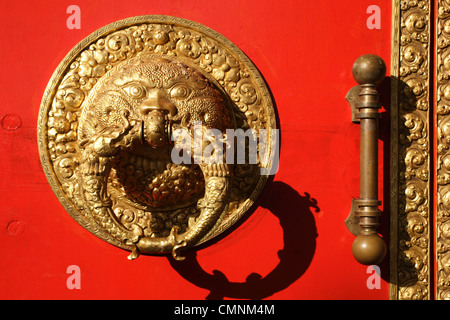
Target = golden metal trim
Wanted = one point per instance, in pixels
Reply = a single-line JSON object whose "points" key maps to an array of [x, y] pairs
{"points": [[410, 158], [442, 116], [394, 157]]}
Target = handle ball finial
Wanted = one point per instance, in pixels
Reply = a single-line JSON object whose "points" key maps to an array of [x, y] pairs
{"points": [[369, 69], [369, 249]]}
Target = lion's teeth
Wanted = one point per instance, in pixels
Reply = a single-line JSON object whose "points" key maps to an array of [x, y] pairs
{"points": [[132, 159], [139, 162], [146, 164], [152, 165], [160, 166]]}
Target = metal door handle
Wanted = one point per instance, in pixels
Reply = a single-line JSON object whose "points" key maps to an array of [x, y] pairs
{"points": [[368, 247]]}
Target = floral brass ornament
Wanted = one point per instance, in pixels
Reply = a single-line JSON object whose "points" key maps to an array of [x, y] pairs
{"points": [[442, 114], [410, 239], [106, 134]]}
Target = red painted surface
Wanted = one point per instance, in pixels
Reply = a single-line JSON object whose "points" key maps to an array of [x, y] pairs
{"points": [[293, 246]]}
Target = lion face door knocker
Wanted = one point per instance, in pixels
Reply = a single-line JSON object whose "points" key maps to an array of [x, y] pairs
{"points": [[146, 134]]}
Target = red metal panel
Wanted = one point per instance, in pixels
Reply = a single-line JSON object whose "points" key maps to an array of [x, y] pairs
{"points": [[293, 246]]}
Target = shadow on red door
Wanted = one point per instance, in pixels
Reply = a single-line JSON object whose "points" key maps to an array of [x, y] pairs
{"points": [[294, 212]]}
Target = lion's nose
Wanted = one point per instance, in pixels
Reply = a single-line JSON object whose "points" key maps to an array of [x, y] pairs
{"points": [[156, 101]]}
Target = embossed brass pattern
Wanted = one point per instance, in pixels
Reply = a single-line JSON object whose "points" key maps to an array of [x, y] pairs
{"points": [[410, 151], [105, 133], [442, 221], [369, 71]]}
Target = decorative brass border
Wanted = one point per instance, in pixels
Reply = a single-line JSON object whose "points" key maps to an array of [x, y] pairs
{"points": [[442, 220], [410, 150]]}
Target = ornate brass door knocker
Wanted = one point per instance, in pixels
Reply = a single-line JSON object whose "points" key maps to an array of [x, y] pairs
{"points": [[140, 129]]}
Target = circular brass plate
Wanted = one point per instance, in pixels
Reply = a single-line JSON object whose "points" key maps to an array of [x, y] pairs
{"points": [[209, 52]]}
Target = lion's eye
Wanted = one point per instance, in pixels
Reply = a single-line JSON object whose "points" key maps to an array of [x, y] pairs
{"points": [[136, 91], [180, 91]]}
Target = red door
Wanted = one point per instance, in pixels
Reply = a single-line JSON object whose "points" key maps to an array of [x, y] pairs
{"points": [[294, 245]]}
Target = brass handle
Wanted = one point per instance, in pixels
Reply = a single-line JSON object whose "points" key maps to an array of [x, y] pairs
{"points": [[368, 247]]}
